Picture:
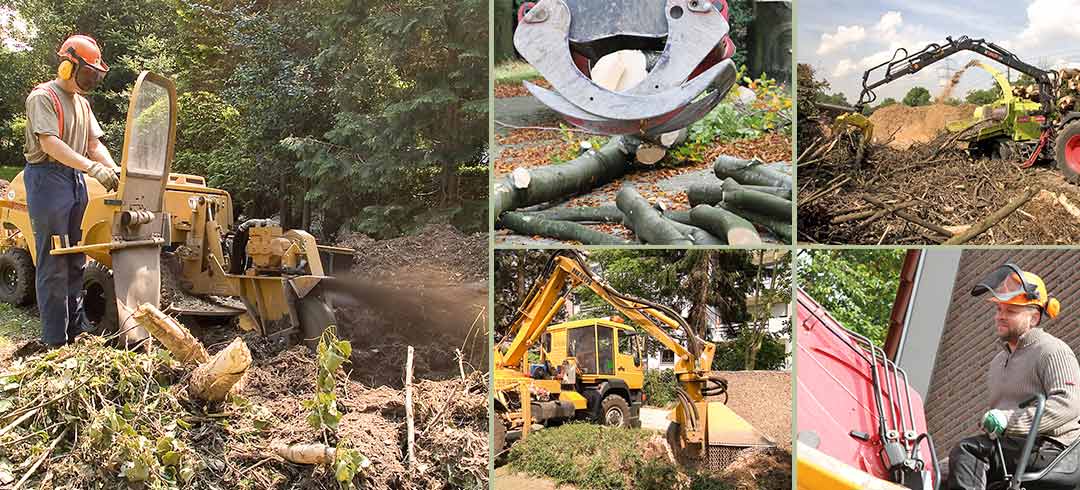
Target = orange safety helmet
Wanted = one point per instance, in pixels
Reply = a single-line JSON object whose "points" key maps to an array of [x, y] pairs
{"points": [[1010, 285], [80, 57]]}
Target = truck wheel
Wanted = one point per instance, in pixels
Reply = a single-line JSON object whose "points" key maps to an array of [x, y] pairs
{"points": [[99, 300], [614, 411], [1067, 152], [16, 277], [499, 436]]}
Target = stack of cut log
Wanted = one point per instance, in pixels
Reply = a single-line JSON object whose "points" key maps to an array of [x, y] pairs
{"points": [[1068, 89], [725, 212]]}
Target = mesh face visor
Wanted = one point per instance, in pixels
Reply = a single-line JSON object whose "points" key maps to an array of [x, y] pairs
{"points": [[1005, 284], [87, 76]]}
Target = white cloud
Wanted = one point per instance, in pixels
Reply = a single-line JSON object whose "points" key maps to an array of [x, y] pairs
{"points": [[889, 25], [844, 36], [844, 67], [1051, 25]]}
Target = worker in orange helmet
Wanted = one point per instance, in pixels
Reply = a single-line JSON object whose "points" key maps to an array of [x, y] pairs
{"points": [[1030, 362], [62, 144]]}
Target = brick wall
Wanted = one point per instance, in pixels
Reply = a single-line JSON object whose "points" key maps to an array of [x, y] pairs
{"points": [[957, 395]]}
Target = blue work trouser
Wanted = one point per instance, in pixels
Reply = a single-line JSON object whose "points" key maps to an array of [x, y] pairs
{"points": [[56, 199]]}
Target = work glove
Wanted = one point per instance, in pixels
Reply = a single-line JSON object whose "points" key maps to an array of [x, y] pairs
{"points": [[994, 422], [105, 175]]}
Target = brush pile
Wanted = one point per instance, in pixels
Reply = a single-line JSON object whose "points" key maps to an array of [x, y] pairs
{"points": [[91, 416]]}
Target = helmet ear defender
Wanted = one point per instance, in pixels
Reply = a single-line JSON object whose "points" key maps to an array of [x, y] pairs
{"points": [[66, 69]]}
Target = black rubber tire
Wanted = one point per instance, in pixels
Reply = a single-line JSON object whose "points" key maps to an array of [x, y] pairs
{"points": [[499, 436], [99, 299], [315, 315], [16, 277], [1069, 132], [609, 406]]}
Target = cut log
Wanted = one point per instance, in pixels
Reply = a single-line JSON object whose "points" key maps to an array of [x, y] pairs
{"points": [[759, 202], [305, 453], [649, 153], [582, 174], [750, 172], [599, 214], [529, 224], [649, 225], [724, 223], [779, 227], [679, 217], [172, 334], [214, 380], [712, 193], [991, 220], [697, 235]]}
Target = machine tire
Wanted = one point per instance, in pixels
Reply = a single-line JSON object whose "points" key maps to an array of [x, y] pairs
{"points": [[16, 277], [315, 315], [614, 411], [499, 436], [1067, 151], [99, 299]]}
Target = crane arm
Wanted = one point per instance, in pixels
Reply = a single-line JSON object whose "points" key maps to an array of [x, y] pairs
{"points": [[903, 64], [565, 271]]}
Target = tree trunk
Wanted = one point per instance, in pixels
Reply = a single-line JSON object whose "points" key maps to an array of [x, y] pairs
{"points": [[599, 214], [759, 202], [724, 223], [779, 227], [750, 172], [712, 193], [649, 225], [214, 380], [526, 187], [526, 224], [697, 235]]}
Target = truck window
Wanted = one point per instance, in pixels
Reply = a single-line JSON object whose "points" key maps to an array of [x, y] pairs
{"points": [[605, 349], [582, 346]]}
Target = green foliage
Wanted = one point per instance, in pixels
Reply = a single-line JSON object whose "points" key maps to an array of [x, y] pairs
{"points": [[585, 455], [857, 287], [887, 102], [297, 109], [740, 18], [917, 96], [331, 354], [594, 457], [574, 144], [836, 99], [348, 463], [983, 97], [730, 354], [659, 387]]}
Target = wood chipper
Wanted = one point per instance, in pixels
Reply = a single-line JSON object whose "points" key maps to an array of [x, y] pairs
{"points": [[591, 370], [161, 224]]}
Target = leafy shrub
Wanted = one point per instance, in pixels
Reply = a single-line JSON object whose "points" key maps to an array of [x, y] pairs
{"points": [[659, 387], [730, 354]]}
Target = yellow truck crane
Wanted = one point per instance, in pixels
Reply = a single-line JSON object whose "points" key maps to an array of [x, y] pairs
{"points": [[159, 221], [592, 369]]}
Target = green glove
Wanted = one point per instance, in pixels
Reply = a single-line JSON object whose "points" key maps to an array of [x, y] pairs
{"points": [[994, 422]]}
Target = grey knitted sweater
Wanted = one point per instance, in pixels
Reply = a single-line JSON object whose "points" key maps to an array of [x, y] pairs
{"points": [[1043, 364]]}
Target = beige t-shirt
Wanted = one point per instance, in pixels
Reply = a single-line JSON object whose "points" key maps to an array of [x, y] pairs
{"points": [[79, 122]]}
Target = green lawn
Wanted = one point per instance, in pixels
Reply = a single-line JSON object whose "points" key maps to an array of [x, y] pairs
{"points": [[8, 172], [514, 71], [17, 324]]}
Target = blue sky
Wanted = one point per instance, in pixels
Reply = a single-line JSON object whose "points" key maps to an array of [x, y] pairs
{"points": [[842, 38]]}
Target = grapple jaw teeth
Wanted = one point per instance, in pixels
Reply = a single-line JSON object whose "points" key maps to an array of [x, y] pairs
{"points": [[690, 75]]}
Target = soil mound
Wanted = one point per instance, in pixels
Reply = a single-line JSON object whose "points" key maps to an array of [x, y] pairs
{"points": [[900, 126]]}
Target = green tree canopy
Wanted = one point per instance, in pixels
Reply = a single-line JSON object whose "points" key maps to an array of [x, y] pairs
{"points": [[857, 287], [917, 96]]}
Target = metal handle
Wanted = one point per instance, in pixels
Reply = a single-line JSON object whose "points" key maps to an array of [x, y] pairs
{"points": [[1029, 441]]}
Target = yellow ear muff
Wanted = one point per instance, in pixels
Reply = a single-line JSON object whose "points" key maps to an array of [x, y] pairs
{"points": [[1053, 307], [65, 70]]}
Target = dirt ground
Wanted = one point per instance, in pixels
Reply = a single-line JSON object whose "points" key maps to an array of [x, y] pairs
{"points": [[933, 182], [428, 291], [763, 398], [900, 126]]}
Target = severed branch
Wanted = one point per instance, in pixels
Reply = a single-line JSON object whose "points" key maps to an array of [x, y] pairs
{"points": [[987, 223]]}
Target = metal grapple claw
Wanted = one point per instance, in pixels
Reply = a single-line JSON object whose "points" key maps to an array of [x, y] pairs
{"points": [[686, 40]]}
